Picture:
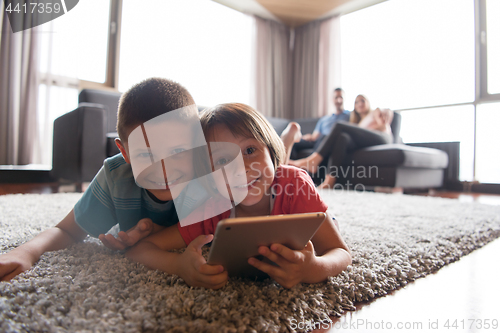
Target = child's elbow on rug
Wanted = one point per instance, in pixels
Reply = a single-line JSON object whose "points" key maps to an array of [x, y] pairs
{"points": [[340, 259]]}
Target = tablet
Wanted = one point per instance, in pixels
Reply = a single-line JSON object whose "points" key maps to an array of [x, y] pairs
{"points": [[237, 239]]}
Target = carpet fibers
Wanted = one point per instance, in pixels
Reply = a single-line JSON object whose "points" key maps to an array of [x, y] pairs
{"points": [[394, 239]]}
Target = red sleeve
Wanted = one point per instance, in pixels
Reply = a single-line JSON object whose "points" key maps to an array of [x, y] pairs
{"points": [[296, 194], [191, 231], [206, 227]]}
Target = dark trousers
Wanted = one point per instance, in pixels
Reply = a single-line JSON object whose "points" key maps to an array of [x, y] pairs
{"points": [[344, 138]]}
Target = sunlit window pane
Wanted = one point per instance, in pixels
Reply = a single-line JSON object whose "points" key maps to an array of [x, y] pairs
{"points": [[493, 38], [75, 44], [443, 125], [52, 102], [201, 44], [488, 143], [409, 53]]}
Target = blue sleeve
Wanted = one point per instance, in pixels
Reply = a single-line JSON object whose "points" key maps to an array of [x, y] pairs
{"points": [[95, 211], [317, 128]]}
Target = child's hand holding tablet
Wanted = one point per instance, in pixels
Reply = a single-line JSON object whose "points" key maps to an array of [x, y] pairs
{"points": [[238, 239]]}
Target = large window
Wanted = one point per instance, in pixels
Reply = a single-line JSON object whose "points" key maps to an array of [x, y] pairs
{"points": [[488, 143], [72, 48], [418, 57], [493, 38], [201, 44], [75, 44], [53, 101], [409, 53]]}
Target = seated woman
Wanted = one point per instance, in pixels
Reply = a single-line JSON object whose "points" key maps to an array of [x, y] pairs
{"points": [[366, 128]]}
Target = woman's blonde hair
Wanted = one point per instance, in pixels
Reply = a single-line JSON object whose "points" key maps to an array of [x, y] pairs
{"points": [[355, 117], [243, 120]]}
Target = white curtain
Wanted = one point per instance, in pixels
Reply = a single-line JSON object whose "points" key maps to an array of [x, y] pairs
{"points": [[329, 64], [18, 94], [306, 70], [272, 62], [296, 70]]}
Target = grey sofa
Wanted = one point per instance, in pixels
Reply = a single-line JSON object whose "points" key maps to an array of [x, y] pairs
{"points": [[84, 137], [391, 165]]}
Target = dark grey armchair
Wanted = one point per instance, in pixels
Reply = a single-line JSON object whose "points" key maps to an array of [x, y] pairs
{"points": [[84, 137]]}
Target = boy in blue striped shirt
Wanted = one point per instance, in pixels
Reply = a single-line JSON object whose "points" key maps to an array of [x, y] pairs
{"points": [[113, 196]]}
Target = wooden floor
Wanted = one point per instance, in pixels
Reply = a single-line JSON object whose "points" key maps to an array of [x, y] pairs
{"points": [[40, 188], [460, 297]]}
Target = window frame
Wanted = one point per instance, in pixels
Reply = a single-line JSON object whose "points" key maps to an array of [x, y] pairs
{"points": [[481, 32], [113, 54], [112, 59]]}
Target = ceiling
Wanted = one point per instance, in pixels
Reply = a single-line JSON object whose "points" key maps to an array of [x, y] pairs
{"points": [[294, 13]]}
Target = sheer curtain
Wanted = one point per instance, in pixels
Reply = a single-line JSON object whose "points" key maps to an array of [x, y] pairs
{"points": [[18, 93], [306, 70], [272, 69], [296, 70], [329, 64]]}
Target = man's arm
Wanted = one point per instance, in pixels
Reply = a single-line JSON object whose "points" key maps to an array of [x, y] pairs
{"points": [[64, 234]]}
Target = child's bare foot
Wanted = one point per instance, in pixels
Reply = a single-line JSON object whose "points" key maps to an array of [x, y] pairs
{"points": [[328, 183], [290, 135], [310, 163]]}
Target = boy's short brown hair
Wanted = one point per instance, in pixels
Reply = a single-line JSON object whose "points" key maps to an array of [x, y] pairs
{"points": [[147, 100], [243, 120]]}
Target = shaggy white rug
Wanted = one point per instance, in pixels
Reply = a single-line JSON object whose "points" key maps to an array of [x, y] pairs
{"points": [[88, 288]]}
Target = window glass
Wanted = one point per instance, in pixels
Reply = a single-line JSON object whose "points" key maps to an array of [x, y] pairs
{"points": [[201, 44], [409, 53], [53, 102], [443, 124], [493, 45], [75, 44], [488, 143]]}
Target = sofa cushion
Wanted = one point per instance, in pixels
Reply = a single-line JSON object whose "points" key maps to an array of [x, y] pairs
{"points": [[307, 125], [279, 124], [401, 155]]}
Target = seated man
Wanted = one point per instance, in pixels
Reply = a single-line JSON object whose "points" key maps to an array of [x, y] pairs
{"points": [[323, 127]]}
